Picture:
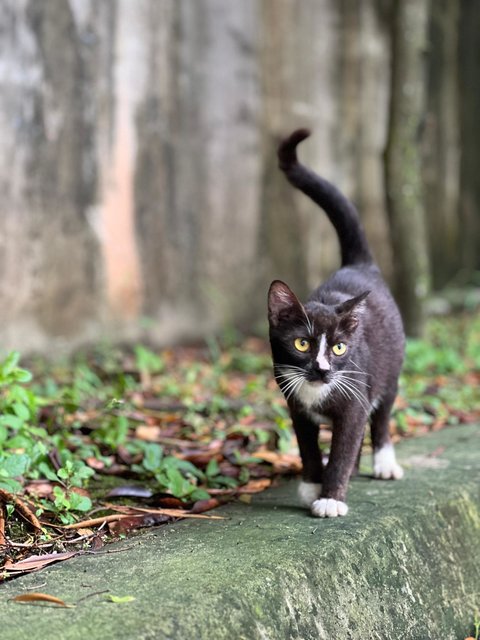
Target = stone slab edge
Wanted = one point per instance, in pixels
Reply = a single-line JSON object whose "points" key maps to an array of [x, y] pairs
{"points": [[404, 563]]}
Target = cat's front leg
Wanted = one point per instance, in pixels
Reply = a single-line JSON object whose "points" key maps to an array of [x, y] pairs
{"points": [[307, 437], [347, 437]]}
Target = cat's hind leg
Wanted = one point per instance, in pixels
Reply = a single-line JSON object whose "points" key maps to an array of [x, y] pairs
{"points": [[356, 466], [385, 465]]}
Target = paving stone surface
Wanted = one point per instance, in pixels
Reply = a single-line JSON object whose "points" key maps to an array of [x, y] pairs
{"points": [[404, 564]]}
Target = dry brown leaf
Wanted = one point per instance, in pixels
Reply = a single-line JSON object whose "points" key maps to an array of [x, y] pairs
{"points": [[124, 525], [149, 433], [40, 597], [200, 458], [281, 461], [164, 501], [38, 562], [94, 463], [96, 542], [255, 486], [223, 492], [40, 488], [205, 505]]}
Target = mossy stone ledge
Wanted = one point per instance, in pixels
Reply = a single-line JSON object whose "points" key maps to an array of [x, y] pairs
{"points": [[404, 564]]}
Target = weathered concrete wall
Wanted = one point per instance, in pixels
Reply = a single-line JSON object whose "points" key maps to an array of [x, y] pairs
{"points": [[137, 157], [404, 564]]}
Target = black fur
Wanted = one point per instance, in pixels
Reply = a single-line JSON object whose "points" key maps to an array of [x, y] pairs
{"points": [[354, 307]]}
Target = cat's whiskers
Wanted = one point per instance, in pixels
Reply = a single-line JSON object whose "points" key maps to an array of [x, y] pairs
{"points": [[308, 323], [286, 385], [292, 386], [365, 384], [358, 373], [299, 383], [342, 391], [356, 365], [288, 367], [287, 373], [342, 383], [293, 378], [354, 394], [351, 381]]}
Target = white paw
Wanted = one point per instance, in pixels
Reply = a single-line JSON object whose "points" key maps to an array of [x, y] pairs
{"points": [[385, 465], [308, 492], [329, 508]]}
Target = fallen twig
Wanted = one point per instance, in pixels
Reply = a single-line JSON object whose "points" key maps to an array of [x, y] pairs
{"points": [[2, 525], [173, 513], [21, 508]]}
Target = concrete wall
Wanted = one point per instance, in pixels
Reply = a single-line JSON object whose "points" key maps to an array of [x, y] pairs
{"points": [[139, 189]]}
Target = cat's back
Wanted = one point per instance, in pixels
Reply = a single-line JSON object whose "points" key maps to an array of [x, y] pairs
{"points": [[382, 315], [351, 281]]}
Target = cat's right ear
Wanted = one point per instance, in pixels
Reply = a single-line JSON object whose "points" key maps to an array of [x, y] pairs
{"points": [[282, 303]]}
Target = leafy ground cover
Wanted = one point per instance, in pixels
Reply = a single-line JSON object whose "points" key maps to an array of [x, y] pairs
{"points": [[113, 440]]}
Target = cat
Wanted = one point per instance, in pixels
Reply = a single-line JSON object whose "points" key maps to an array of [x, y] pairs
{"points": [[336, 358]]}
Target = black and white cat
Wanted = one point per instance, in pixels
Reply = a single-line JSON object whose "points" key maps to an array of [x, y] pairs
{"points": [[336, 358]]}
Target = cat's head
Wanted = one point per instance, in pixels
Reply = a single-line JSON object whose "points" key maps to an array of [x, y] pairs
{"points": [[313, 343]]}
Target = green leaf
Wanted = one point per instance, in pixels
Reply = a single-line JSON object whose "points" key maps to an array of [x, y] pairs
{"points": [[47, 472], [10, 485], [21, 410], [9, 420], [224, 481], [10, 362], [120, 599], [61, 500], [79, 502], [212, 468], [186, 466], [177, 483], [21, 375], [153, 455], [244, 475], [199, 494], [81, 472], [147, 360], [63, 474], [115, 403], [15, 465]]}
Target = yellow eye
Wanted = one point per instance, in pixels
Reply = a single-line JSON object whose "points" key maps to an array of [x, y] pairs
{"points": [[339, 349], [302, 344]]}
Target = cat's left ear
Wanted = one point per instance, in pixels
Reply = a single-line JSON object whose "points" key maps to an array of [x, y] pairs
{"points": [[350, 312], [283, 304]]}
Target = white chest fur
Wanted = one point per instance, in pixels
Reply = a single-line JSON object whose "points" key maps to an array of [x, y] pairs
{"points": [[311, 396]]}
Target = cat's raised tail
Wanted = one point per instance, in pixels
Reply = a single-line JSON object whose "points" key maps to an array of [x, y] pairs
{"points": [[340, 211]]}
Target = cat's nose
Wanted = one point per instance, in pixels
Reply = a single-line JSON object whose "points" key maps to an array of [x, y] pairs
{"points": [[321, 372]]}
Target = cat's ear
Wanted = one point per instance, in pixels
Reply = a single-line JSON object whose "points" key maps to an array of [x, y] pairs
{"points": [[350, 312], [282, 303]]}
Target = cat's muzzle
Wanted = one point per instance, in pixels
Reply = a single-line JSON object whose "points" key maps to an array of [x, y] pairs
{"points": [[319, 376]]}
